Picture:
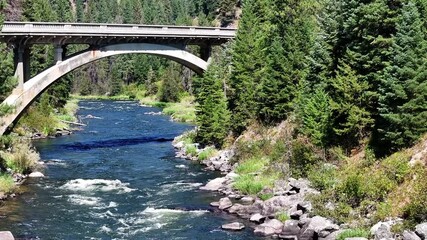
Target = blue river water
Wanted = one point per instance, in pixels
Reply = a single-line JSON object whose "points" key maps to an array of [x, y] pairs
{"points": [[117, 178]]}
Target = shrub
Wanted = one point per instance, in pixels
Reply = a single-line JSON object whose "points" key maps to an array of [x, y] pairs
{"points": [[22, 158], [7, 184], [265, 196], [251, 165], [207, 153], [322, 176], [191, 150], [349, 233], [396, 166], [416, 211], [303, 157], [251, 184]]}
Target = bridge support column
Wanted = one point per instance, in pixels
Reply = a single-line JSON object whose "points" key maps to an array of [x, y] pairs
{"points": [[22, 65], [59, 53], [205, 52]]}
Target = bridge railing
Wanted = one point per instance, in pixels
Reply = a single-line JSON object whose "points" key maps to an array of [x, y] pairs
{"points": [[120, 29]]}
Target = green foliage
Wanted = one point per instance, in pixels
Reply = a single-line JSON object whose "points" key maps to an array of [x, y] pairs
{"points": [[322, 176], [282, 216], [213, 116], [350, 233], [7, 185], [22, 158], [265, 196], [250, 184], [252, 165], [191, 150], [303, 157], [416, 210], [403, 104], [207, 153], [315, 115]]}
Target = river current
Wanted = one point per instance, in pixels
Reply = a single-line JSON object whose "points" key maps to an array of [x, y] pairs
{"points": [[117, 178]]}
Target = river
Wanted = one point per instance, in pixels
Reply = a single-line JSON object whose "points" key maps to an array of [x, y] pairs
{"points": [[117, 179]]}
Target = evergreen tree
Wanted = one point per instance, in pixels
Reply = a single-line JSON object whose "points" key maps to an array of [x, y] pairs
{"points": [[248, 62], [213, 116], [403, 101], [7, 81]]}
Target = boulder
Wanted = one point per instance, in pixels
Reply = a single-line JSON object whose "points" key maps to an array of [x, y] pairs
{"points": [[382, 230], [269, 227], [356, 238], [36, 175], [318, 225], [225, 203], [246, 211], [290, 228], [288, 237], [6, 235], [409, 235], [214, 204], [258, 218], [247, 200], [421, 230], [279, 203], [331, 236], [234, 226], [235, 208], [299, 184], [231, 175], [215, 184]]}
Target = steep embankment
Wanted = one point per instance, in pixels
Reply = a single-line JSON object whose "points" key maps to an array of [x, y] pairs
{"points": [[360, 195]]}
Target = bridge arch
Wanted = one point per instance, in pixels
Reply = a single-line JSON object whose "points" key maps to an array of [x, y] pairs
{"points": [[24, 95]]}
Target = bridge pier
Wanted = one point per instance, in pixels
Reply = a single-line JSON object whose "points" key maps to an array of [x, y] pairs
{"points": [[22, 65], [59, 53], [205, 52]]}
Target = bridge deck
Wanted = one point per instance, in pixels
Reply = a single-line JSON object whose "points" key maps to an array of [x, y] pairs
{"points": [[101, 34]]}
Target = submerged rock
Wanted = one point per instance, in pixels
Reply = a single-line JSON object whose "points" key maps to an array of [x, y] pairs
{"points": [[234, 226]]}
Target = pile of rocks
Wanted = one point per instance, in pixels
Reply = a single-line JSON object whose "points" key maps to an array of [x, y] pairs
{"points": [[382, 231]]}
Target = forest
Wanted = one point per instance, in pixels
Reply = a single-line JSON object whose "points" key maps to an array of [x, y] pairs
{"points": [[347, 80]]}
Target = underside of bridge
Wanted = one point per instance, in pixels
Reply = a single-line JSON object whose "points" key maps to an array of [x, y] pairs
{"points": [[28, 89]]}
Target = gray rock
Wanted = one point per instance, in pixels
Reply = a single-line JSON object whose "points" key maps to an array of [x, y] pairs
{"points": [[305, 206], [279, 203], [290, 228], [36, 175], [421, 230], [409, 235], [299, 184], [214, 204], [6, 235], [269, 227], [225, 203], [234, 226], [288, 237], [382, 230], [296, 214], [247, 200], [215, 184], [318, 225], [356, 238], [235, 208], [258, 218], [331, 236], [231, 175]]}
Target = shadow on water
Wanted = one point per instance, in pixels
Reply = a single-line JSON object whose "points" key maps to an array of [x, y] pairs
{"points": [[111, 143]]}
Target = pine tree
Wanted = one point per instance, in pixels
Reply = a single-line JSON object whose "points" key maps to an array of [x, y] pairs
{"points": [[7, 81], [289, 41], [213, 116], [403, 102], [248, 62]]}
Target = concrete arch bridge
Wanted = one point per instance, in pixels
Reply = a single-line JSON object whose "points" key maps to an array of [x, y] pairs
{"points": [[104, 40]]}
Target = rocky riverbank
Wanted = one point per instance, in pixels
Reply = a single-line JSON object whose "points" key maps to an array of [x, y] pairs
{"points": [[288, 213]]}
